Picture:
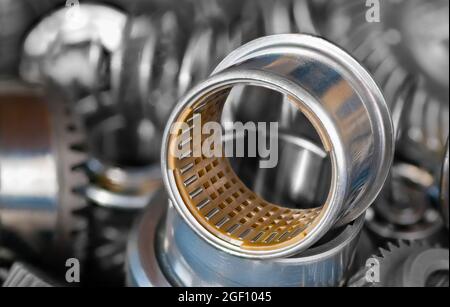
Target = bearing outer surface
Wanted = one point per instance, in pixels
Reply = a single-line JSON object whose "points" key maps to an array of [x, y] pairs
{"points": [[164, 251]]}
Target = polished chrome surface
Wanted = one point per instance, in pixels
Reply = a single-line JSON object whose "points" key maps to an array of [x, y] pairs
{"points": [[352, 81], [192, 262], [172, 254], [339, 98], [142, 266], [300, 179]]}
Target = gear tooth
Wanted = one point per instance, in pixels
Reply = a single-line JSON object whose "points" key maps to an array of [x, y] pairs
{"points": [[383, 252], [76, 157], [23, 277], [79, 179], [420, 243], [391, 246], [79, 224], [71, 159], [79, 207], [392, 256]]}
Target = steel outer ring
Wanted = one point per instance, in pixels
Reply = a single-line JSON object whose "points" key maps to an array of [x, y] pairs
{"points": [[142, 267], [357, 74], [164, 251]]}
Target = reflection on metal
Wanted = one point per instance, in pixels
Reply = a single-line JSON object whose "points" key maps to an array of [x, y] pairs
{"points": [[40, 201], [172, 254], [342, 112]]}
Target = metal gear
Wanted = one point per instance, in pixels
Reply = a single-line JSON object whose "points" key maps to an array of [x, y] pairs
{"points": [[108, 236], [41, 147], [413, 264], [21, 276]]}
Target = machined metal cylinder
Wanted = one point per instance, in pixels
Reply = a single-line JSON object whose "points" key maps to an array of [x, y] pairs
{"points": [[39, 199], [347, 111], [164, 251]]}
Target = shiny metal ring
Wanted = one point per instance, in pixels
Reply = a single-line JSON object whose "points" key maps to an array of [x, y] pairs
{"points": [[164, 251], [348, 112], [122, 188]]}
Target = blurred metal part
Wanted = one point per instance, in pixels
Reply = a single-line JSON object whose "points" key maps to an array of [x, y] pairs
{"points": [[405, 197], [445, 187], [144, 71], [404, 210], [214, 10], [207, 46], [40, 202], [428, 228], [7, 259], [71, 47], [287, 16], [15, 18], [172, 254], [410, 42], [21, 276], [132, 64], [290, 64], [122, 188], [109, 230], [120, 179], [407, 265]]}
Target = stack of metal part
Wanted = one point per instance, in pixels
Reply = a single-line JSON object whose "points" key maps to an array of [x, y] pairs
{"points": [[94, 171]]}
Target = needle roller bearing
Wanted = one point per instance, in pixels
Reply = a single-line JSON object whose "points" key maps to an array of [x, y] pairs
{"points": [[345, 107]]}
